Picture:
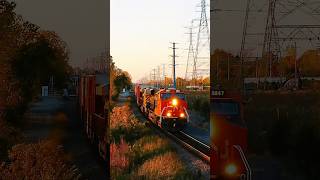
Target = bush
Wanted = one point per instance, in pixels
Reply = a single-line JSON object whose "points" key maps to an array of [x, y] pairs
{"points": [[199, 102], [43, 160]]}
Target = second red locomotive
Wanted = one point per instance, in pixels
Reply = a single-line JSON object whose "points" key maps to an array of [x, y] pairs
{"points": [[165, 107]]}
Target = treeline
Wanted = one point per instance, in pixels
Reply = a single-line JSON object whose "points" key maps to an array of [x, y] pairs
{"points": [[29, 56], [225, 65], [181, 82]]}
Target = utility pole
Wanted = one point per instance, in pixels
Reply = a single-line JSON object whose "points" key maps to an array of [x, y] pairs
{"points": [[217, 67], [164, 74], [295, 65], [150, 78], [154, 77], [158, 78], [228, 67], [257, 80], [174, 65]]}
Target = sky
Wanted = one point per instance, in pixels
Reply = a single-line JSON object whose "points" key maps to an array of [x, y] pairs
{"points": [[82, 24], [141, 32]]}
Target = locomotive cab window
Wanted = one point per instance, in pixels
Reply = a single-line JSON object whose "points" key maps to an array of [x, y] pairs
{"points": [[228, 109], [166, 96]]}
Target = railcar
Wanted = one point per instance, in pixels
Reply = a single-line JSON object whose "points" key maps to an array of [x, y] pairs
{"points": [[93, 106]]}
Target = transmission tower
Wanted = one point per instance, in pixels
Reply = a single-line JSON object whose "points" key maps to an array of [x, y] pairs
{"points": [[286, 22], [202, 50], [191, 55], [271, 48]]}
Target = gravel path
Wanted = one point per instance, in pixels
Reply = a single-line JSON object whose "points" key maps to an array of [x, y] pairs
{"points": [[53, 117]]}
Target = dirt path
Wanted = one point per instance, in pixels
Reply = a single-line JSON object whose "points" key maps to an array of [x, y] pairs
{"points": [[58, 119]]}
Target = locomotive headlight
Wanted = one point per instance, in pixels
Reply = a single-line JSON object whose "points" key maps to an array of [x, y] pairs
{"points": [[182, 115], [231, 169], [169, 114], [174, 102]]}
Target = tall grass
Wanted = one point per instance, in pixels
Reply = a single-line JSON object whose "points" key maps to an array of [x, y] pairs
{"points": [[287, 126]]}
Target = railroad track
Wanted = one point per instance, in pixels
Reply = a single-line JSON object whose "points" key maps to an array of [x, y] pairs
{"points": [[190, 143]]}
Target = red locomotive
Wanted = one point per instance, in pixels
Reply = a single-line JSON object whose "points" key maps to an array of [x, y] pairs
{"points": [[165, 107], [228, 137], [93, 102]]}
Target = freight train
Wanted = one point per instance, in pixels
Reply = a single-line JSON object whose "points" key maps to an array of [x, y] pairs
{"points": [[167, 108], [228, 137], [93, 105]]}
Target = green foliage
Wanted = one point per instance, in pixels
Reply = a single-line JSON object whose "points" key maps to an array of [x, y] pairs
{"points": [[122, 81], [35, 63], [199, 101]]}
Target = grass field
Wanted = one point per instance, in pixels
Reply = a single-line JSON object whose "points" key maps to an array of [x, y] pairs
{"points": [[287, 126]]}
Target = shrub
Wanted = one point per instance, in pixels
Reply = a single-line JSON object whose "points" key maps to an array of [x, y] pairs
{"points": [[8, 137], [122, 117], [42, 160]]}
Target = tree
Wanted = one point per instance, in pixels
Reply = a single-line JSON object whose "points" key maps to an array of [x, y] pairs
{"points": [[119, 79], [36, 62], [309, 63], [27, 56]]}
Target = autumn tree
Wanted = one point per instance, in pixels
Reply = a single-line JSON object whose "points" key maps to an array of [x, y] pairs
{"points": [[309, 63]]}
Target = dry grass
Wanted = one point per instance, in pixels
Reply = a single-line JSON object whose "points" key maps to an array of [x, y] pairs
{"points": [[165, 166], [119, 160], [156, 144], [44, 160]]}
